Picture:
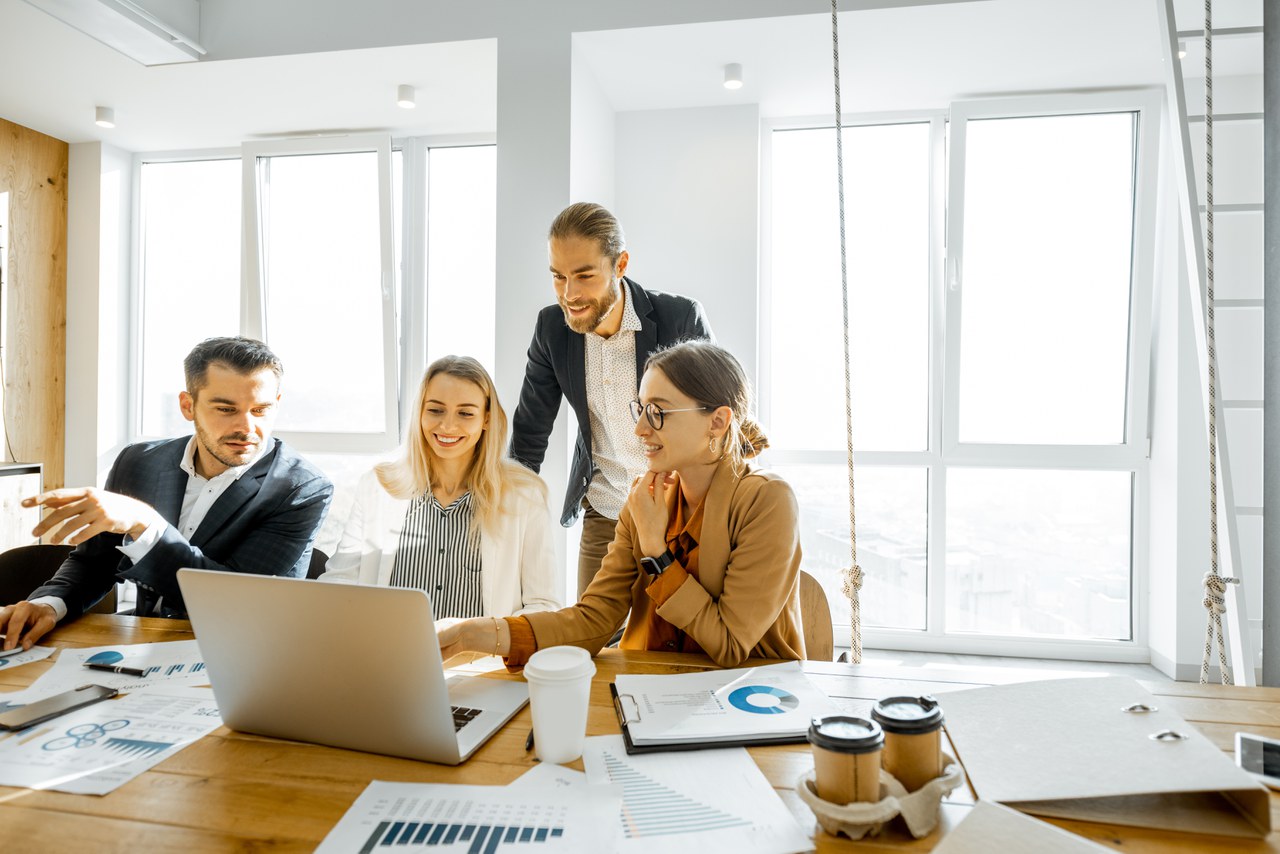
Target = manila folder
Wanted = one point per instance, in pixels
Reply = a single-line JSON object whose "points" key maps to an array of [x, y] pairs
{"points": [[1067, 748]]}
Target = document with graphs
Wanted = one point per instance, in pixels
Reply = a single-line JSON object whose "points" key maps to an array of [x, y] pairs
{"points": [[715, 708], [99, 748]]}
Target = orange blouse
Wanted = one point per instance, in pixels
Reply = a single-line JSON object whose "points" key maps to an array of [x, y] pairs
{"points": [[645, 630]]}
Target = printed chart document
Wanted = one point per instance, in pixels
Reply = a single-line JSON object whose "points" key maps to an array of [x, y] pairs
{"points": [[170, 662], [721, 802], [755, 705], [16, 656], [96, 749], [394, 817]]}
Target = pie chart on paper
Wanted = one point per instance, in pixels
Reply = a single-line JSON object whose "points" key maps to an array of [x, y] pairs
{"points": [[763, 700], [109, 656]]}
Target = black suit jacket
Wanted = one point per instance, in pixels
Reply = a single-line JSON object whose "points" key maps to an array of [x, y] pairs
{"points": [[264, 523], [557, 369]]}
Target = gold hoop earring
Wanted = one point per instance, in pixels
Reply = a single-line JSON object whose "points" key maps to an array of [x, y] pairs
{"points": [[711, 445]]}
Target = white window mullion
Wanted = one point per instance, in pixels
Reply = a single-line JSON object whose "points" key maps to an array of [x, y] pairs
{"points": [[255, 321]]}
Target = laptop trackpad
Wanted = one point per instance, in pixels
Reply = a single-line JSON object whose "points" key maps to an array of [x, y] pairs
{"points": [[495, 702]]}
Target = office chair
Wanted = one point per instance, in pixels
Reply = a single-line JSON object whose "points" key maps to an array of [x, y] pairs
{"points": [[25, 568], [318, 561], [815, 620]]}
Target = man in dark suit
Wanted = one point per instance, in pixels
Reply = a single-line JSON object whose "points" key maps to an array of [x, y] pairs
{"points": [[230, 497], [590, 347]]}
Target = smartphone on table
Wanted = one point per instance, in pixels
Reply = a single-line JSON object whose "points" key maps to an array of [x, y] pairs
{"points": [[51, 707]]}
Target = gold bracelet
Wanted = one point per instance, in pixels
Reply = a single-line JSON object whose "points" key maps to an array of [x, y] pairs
{"points": [[497, 635]]}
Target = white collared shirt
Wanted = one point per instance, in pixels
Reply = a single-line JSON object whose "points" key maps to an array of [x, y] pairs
{"points": [[201, 494], [611, 386]]}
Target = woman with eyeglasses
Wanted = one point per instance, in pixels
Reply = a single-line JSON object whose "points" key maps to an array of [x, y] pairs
{"points": [[706, 555], [453, 516]]}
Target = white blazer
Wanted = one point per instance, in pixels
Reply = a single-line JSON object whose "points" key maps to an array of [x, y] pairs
{"points": [[516, 565]]}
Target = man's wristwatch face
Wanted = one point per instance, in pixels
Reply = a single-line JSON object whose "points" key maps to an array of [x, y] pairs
{"points": [[655, 566]]}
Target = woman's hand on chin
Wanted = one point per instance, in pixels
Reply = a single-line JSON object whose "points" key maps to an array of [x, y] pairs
{"points": [[648, 502]]}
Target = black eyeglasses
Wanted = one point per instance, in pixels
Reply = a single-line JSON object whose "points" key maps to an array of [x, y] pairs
{"points": [[655, 413]]}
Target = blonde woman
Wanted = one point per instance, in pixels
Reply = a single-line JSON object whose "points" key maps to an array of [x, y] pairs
{"points": [[706, 556], [452, 515]]}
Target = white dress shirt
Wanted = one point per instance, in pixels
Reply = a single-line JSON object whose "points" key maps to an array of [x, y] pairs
{"points": [[611, 386]]}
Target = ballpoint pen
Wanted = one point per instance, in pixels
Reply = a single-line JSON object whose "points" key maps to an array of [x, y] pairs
{"points": [[115, 668]]}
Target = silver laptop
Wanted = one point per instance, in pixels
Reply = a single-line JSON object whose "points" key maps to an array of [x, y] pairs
{"points": [[339, 664]]}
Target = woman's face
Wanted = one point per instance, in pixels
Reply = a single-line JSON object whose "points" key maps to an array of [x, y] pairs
{"points": [[453, 416], [683, 440]]}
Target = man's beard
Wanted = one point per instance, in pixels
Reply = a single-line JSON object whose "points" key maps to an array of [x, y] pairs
{"points": [[599, 310]]}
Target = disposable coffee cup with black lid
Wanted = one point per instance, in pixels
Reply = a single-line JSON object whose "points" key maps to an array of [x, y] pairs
{"points": [[908, 715], [846, 734], [846, 758]]}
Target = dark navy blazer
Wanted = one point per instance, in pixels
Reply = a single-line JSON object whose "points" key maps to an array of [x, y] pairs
{"points": [[264, 523], [558, 368]]}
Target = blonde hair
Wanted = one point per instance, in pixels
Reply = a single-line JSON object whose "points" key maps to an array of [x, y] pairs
{"points": [[712, 377], [491, 474]]}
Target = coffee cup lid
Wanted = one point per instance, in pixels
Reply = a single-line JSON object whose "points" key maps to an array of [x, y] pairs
{"points": [[908, 715], [557, 663], [846, 734]]}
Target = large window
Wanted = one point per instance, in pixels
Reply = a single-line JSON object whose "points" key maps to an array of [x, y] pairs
{"points": [[364, 261], [995, 256], [189, 282]]}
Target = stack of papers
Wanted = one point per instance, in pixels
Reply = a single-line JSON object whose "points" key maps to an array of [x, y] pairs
{"points": [[716, 708]]}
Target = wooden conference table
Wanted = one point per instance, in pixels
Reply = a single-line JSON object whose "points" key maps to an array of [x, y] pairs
{"points": [[231, 791]]}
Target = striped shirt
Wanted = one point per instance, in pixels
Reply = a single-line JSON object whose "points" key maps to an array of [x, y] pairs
{"points": [[439, 552]]}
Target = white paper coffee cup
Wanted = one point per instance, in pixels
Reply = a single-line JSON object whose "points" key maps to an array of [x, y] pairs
{"points": [[559, 680]]}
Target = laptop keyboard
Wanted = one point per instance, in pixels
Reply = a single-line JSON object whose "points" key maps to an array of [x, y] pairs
{"points": [[463, 716]]}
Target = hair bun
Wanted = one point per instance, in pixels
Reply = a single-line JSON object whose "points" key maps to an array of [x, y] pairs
{"points": [[754, 441]]}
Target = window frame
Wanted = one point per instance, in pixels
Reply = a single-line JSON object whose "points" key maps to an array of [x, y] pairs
{"points": [[253, 299], [944, 451]]}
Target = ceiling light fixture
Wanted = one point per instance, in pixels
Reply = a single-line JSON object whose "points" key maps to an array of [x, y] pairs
{"points": [[406, 97], [733, 75], [104, 117], [1182, 50]]}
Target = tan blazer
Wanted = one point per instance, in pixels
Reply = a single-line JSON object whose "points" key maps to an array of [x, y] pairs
{"points": [[745, 601]]}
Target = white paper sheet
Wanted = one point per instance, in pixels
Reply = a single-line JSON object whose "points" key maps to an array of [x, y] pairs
{"points": [[712, 800], [776, 700], [96, 749], [12, 659], [392, 817], [550, 776], [166, 663]]}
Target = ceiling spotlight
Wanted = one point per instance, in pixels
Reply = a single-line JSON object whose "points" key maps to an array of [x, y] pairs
{"points": [[1182, 50], [104, 117], [733, 75], [406, 97]]}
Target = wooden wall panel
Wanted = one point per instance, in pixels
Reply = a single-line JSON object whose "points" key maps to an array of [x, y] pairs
{"points": [[33, 170]]}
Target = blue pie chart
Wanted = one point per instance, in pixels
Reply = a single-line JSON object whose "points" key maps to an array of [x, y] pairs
{"points": [[109, 656], [776, 701]]}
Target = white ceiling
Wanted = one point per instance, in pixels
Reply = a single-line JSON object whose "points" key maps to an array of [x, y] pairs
{"points": [[56, 75], [909, 58], [891, 59]]}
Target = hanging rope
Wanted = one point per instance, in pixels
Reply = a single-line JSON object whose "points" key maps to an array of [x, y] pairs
{"points": [[852, 583], [1215, 585]]}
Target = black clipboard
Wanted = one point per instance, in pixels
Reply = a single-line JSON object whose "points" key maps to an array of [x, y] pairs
{"points": [[632, 748]]}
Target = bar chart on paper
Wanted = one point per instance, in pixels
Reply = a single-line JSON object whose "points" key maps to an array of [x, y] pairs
{"points": [[683, 803], [476, 819], [650, 808], [484, 838]]}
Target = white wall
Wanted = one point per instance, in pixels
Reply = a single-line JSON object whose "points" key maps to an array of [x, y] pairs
{"points": [[688, 197], [591, 138], [99, 212]]}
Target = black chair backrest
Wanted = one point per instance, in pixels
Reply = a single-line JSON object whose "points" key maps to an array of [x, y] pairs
{"points": [[318, 561], [25, 568]]}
